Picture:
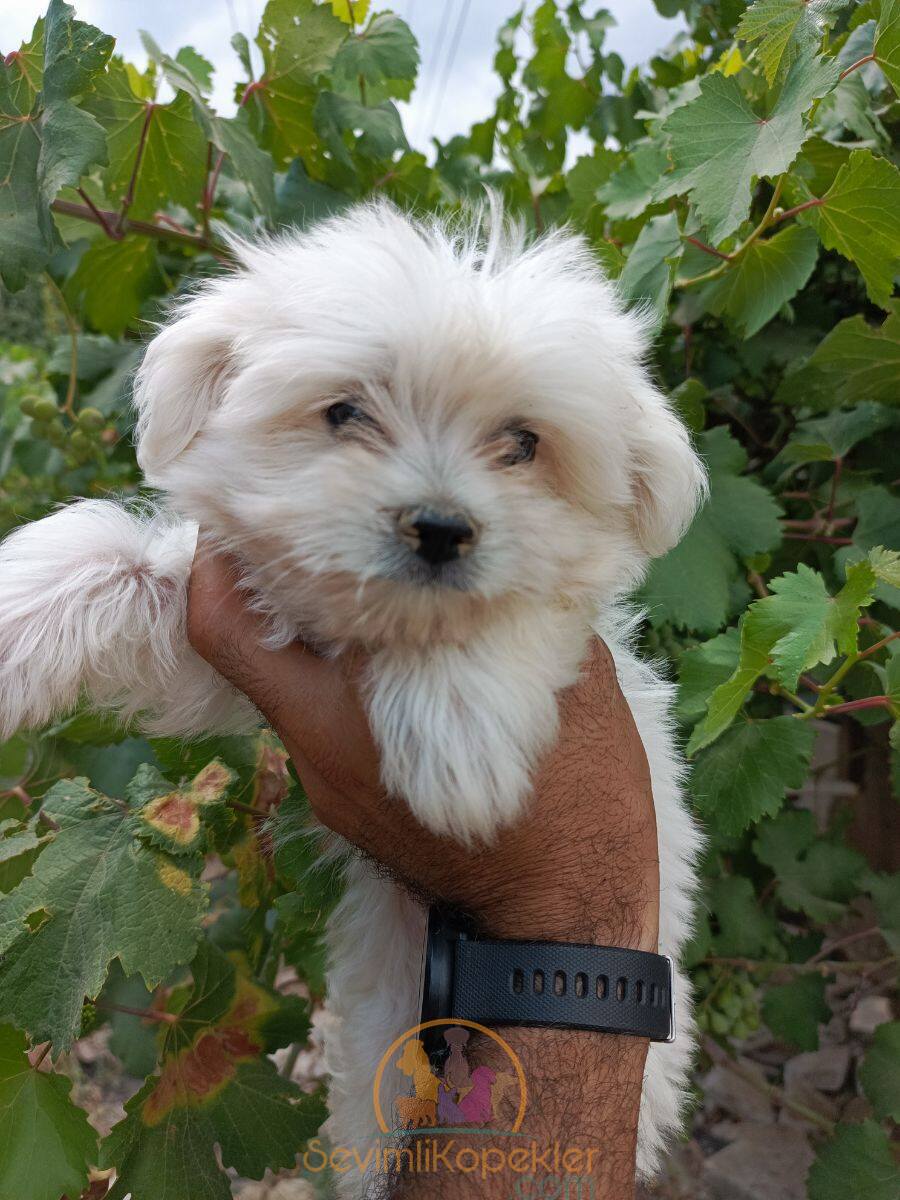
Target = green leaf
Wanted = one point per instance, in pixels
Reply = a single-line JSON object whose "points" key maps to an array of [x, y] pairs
{"points": [[815, 876], [585, 180], [299, 44], [765, 277], [100, 888], [824, 439], [215, 1087], [385, 56], [794, 1011], [740, 519], [856, 361], [200, 67], [377, 132], [719, 145], [701, 669], [785, 29], [172, 146], [302, 201], [113, 279], [231, 136], [649, 269], [744, 927], [46, 1143], [796, 627], [856, 1162], [885, 892], [46, 142], [879, 1074], [857, 217], [350, 11], [172, 817], [745, 775], [887, 42], [633, 185]]}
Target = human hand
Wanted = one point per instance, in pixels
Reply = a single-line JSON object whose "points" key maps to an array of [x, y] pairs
{"points": [[580, 864]]}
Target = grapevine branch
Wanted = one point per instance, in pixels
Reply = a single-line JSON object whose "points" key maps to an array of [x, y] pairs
{"points": [[69, 405], [128, 198], [106, 219]]}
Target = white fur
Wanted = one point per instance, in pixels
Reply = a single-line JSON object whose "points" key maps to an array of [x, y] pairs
{"points": [[446, 338]]}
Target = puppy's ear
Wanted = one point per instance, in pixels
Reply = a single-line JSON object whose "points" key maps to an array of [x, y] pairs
{"points": [[668, 478], [180, 382]]}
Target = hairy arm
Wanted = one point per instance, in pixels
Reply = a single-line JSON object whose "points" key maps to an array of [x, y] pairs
{"points": [[581, 865]]}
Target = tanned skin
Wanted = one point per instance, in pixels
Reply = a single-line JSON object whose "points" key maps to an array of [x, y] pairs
{"points": [[582, 865]]}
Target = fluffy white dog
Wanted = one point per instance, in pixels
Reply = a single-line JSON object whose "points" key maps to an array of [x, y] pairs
{"points": [[439, 444]]}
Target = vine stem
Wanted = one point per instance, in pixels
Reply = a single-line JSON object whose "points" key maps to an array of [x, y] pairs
{"points": [[857, 705], [209, 193], [844, 941], [860, 62], [798, 208], [767, 220], [771, 1090], [128, 198], [146, 1014], [45, 1050], [85, 212], [709, 249], [71, 389]]}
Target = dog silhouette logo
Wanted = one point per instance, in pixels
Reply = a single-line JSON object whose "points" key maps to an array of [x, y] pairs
{"points": [[447, 1092]]}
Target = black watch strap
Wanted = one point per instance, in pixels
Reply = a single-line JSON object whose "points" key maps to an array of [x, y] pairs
{"points": [[603, 988], [607, 989]]}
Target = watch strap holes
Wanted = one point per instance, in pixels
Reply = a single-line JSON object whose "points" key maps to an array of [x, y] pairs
{"points": [[538, 982], [559, 983], [602, 987], [581, 984], [622, 988], [518, 980]]}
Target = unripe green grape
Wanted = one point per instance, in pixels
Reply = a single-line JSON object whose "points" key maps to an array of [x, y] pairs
{"points": [[45, 409], [719, 1023], [28, 405], [90, 1019], [56, 434], [741, 1029], [80, 442], [730, 1004], [91, 420]]}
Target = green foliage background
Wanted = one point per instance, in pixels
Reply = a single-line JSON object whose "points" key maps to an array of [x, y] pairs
{"points": [[743, 184]]}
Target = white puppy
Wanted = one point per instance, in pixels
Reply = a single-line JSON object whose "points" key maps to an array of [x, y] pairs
{"points": [[441, 445]]}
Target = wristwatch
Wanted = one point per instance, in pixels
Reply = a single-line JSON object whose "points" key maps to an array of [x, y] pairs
{"points": [[557, 985]]}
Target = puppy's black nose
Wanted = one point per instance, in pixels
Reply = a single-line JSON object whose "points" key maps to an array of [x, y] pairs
{"points": [[438, 537]]}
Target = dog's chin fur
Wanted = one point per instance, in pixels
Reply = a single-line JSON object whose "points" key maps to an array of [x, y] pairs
{"points": [[446, 339]]}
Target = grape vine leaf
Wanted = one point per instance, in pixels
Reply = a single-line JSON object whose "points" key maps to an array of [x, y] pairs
{"points": [[172, 817], [815, 876], [878, 1074], [740, 519], [824, 439], [98, 886], [113, 279], [46, 141], [744, 776], [719, 145], [797, 626], [702, 668], [886, 47], [46, 1142], [632, 186], [768, 274], [857, 217], [350, 11], [785, 29], [794, 1010], [385, 56], [231, 136], [744, 927], [169, 140], [377, 131], [856, 1162], [650, 267], [584, 182], [215, 1088], [299, 46], [856, 361]]}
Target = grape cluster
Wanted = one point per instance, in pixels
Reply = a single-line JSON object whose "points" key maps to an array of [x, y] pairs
{"points": [[727, 1002], [80, 441], [90, 1019]]}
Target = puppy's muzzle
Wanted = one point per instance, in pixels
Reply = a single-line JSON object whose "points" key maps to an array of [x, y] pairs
{"points": [[436, 536]]}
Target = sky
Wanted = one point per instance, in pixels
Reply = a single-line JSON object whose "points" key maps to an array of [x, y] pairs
{"points": [[452, 92]]}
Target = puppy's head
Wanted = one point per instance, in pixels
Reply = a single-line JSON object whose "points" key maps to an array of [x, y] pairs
{"points": [[403, 428]]}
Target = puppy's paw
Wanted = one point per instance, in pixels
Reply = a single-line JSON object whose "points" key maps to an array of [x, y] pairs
{"points": [[459, 739]]}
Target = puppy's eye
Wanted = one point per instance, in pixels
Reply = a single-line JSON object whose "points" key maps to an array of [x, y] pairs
{"points": [[523, 449], [343, 413]]}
